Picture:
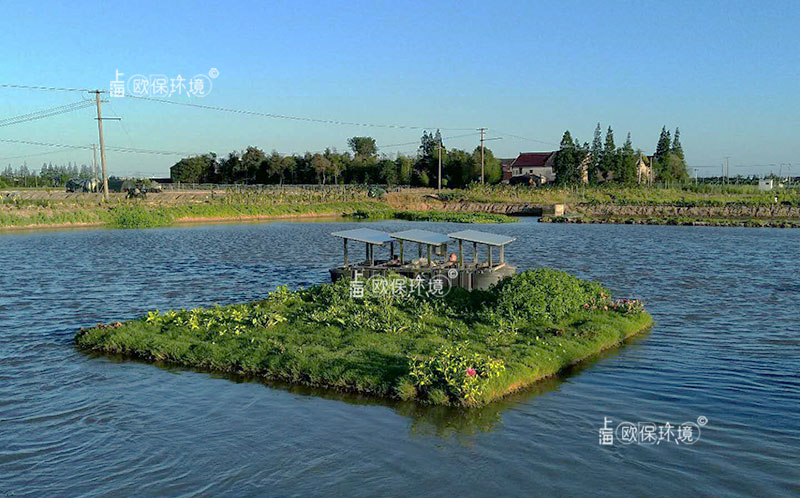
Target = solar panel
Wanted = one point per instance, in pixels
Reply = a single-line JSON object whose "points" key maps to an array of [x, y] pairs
{"points": [[422, 237], [491, 239], [366, 235]]}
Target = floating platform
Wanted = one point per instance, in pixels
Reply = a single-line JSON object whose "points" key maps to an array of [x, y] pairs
{"points": [[433, 259]]}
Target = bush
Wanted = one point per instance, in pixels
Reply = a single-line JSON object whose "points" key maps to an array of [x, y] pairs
{"points": [[544, 294], [454, 371], [123, 216]]}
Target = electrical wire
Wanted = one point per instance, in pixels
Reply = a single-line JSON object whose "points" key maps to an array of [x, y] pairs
{"points": [[525, 138], [51, 88], [289, 117], [46, 113], [110, 148]]}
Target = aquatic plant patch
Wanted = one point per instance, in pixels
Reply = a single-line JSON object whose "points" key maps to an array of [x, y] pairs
{"points": [[467, 348]]}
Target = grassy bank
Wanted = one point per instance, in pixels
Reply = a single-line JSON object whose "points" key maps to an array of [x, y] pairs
{"points": [[685, 196], [462, 349], [446, 216], [678, 220]]}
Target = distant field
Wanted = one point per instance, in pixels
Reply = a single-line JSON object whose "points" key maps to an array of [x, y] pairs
{"points": [[54, 207]]}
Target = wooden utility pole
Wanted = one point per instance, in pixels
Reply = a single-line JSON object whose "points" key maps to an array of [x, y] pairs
{"points": [[483, 131], [102, 143], [94, 167], [440, 165], [727, 170]]}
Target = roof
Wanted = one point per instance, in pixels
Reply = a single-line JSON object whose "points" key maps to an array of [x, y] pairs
{"points": [[366, 235], [532, 159], [422, 237], [491, 239]]}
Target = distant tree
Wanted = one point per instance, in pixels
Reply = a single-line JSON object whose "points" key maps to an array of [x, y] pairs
{"points": [[389, 172], [493, 170], [321, 165], [405, 168], [194, 169], [597, 153], [627, 164], [565, 163], [663, 146], [609, 160], [363, 146], [677, 148], [459, 168]]}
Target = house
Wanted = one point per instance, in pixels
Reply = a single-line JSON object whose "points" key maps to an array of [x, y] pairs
{"points": [[533, 167], [765, 184], [505, 164], [644, 170]]}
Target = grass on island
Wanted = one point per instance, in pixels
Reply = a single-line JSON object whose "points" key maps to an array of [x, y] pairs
{"points": [[467, 348]]}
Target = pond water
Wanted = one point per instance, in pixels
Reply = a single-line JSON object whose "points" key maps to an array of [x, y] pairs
{"points": [[726, 347]]}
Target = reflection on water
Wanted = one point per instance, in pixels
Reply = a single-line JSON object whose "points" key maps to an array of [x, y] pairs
{"points": [[725, 346]]}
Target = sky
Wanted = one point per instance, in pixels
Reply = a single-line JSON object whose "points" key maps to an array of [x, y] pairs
{"points": [[726, 73]]}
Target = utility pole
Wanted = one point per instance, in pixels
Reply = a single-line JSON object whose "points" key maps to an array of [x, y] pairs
{"points": [[727, 169], [440, 165], [94, 167], [102, 143], [483, 131], [695, 175]]}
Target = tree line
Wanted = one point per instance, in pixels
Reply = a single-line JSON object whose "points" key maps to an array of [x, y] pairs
{"points": [[602, 161], [361, 164], [48, 176]]}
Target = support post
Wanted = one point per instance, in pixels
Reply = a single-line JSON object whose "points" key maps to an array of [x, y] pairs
{"points": [[102, 144], [460, 253], [345, 251], [502, 256], [402, 262], [483, 131], [429, 254], [475, 252], [489, 248]]}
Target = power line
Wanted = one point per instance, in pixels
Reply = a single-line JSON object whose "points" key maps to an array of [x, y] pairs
{"points": [[524, 138], [417, 141], [50, 88], [45, 113], [115, 149], [290, 117]]}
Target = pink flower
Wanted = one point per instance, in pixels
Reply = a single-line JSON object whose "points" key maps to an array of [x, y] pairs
{"points": [[471, 372]]}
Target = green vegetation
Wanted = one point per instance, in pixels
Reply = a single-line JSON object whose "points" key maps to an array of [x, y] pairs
{"points": [[603, 161], [362, 165], [468, 348], [619, 195], [441, 216], [678, 220]]}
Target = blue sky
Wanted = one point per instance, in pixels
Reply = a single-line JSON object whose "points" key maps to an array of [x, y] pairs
{"points": [[726, 73]]}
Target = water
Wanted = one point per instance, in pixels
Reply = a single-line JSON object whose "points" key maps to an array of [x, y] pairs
{"points": [[726, 346]]}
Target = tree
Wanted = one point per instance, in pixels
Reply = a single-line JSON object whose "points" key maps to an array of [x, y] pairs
{"points": [[251, 161], [405, 168], [677, 148], [597, 153], [195, 169], [564, 167], [627, 164], [363, 146], [493, 170], [663, 146], [609, 160], [321, 166]]}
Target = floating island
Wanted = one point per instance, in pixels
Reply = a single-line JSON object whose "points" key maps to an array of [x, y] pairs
{"points": [[460, 348]]}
